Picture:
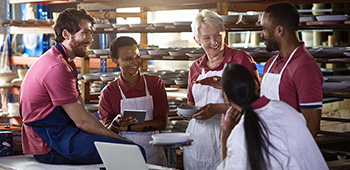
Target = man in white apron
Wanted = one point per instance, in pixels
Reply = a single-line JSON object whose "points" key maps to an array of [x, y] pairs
{"points": [[134, 91], [154, 155], [292, 76]]}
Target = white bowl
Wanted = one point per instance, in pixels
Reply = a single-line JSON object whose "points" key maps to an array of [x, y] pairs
{"points": [[250, 19], [162, 24], [102, 25], [177, 53], [170, 137], [13, 109], [101, 51], [107, 78], [139, 25], [182, 22], [158, 52], [6, 77], [121, 25], [231, 19], [91, 77], [194, 55], [188, 110]]}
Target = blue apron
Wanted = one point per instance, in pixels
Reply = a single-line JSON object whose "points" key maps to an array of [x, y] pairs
{"points": [[62, 135]]}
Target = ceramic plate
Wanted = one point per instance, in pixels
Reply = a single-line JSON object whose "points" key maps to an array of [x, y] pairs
{"points": [[170, 137], [182, 23], [337, 78], [332, 85], [102, 26], [231, 19], [138, 25], [194, 55], [101, 51], [332, 18]]}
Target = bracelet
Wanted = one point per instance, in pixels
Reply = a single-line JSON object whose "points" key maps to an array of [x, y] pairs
{"points": [[129, 127]]}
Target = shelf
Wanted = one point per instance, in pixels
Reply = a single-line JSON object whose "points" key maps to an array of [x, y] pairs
{"points": [[31, 29], [40, 1], [94, 62], [48, 28]]}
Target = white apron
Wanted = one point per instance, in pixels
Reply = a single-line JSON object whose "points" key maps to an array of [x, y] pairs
{"points": [[270, 82], [155, 155], [205, 151]]}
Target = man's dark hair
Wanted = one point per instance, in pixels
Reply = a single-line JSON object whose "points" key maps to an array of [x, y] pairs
{"points": [[122, 41], [284, 14], [70, 19]]}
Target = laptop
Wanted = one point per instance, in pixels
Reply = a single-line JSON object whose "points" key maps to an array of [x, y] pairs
{"points": [[116, 156]]}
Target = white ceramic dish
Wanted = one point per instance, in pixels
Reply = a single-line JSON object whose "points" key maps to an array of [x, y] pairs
{"points": [[102, 25], [337, 78], [231, 19], [334, 85], [121, 25], [107, 78], [6, 77], [101, 51], [177, 53], [250, 19], [139, 25], [158, 52], [91, 77], [182, 22], [162, 24], [170, 137], [307, 18], [194, 55], [332, 18], [188, 110]]}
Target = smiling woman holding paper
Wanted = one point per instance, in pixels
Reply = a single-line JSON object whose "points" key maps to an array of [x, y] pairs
{"points": [[134, 91]]}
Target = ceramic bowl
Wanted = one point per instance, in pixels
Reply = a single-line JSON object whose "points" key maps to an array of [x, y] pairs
{"points": [[250, 19], [101, 51], [231, 19], [6, 77], [13, 109], [188, 110]]}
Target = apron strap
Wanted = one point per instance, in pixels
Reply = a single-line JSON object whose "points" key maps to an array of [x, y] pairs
{"points": [[146, 88], [285, 65], [147, 92], [121, 91], [288, 60]]}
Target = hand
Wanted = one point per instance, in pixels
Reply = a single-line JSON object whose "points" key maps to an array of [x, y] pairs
{"points": [[123, 122], [229, 121], [214, 81], [185, 118], [207, 112]]}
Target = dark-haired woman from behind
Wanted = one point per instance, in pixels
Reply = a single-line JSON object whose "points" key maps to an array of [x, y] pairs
{"points": [[262, 134]]}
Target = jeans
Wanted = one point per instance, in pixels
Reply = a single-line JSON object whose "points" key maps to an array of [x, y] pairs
{"points": [[54, 158]]}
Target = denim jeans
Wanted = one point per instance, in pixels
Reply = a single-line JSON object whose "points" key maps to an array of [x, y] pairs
{"points": [[54, 158]]}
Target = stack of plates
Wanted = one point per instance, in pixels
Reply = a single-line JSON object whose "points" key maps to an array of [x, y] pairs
{"points": [[307, 18], [102, 25], [334, 85], [139, 25], [332, 18], [182, 22]]}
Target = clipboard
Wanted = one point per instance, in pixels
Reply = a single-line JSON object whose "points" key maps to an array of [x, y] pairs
{"points": [[139, 115]]}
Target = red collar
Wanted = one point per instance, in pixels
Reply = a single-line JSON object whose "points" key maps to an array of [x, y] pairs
{"points": [[261, 102]]}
